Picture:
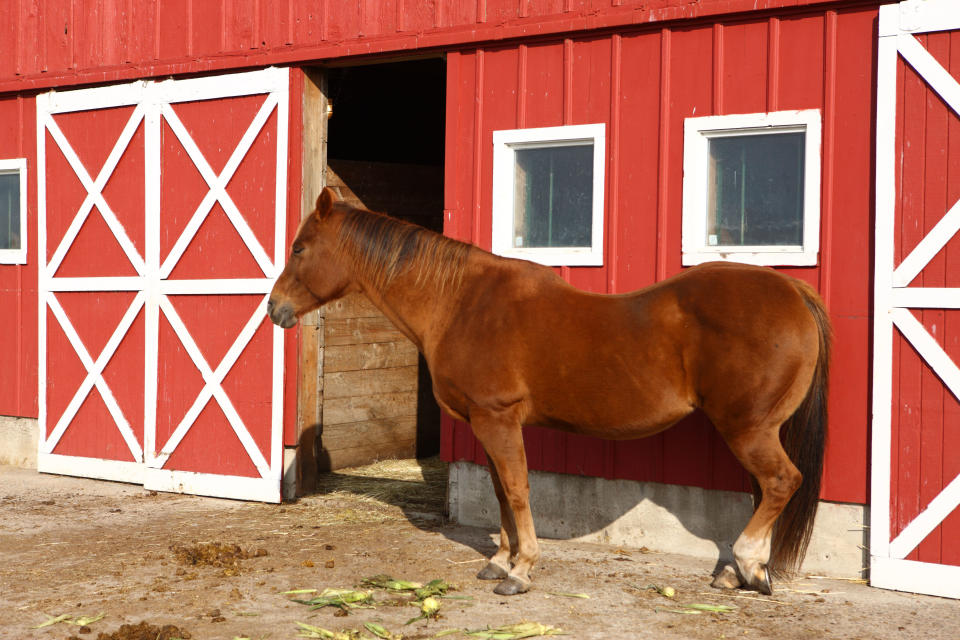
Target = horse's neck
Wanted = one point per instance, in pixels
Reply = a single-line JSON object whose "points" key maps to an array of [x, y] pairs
{"points": [[411, 307]]}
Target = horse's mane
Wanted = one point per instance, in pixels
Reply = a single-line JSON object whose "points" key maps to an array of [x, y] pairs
{"points": [[381, 248]]}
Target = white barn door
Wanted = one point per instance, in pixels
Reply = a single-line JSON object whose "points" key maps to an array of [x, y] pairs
{"points": [[915, 520]]}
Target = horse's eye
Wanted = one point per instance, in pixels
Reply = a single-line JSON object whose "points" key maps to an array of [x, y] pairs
{"points": [[297, 249]]}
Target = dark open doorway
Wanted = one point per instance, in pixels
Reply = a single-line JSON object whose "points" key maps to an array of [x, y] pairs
{"points": [[385, 146]]}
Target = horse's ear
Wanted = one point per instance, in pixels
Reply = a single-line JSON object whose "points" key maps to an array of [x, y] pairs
{"points": [[328, 197]]}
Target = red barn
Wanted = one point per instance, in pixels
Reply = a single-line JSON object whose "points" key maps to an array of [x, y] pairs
{"points": [[156, 156]]}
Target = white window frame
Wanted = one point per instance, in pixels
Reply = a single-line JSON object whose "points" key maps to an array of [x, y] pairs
{"points": [[17, 256], [697, 134], [505, 145]]}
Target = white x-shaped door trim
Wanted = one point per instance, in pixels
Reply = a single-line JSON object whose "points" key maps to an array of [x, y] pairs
{"points": [[155, 103], [893, 299]]}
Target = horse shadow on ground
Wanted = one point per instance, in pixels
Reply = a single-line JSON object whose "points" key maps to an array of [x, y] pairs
{"points": [[615, 512]]}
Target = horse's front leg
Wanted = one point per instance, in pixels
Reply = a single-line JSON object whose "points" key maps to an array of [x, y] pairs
{"points": [[501, 437], [499, 566]]}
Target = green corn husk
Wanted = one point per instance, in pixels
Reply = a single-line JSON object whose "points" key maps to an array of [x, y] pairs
{"points": [[51, 620], [428, 609], [380, 631], [310, 631], [516, 631], [383, 581], [715, 608], [343, 598], [433, 588], [83, 621], [666, 592]]}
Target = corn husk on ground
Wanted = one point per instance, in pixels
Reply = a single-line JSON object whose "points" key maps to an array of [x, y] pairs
{"points": [[516, 631]]}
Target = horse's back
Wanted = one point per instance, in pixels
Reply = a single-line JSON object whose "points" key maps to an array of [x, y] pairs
{"points": [[620, 366]]}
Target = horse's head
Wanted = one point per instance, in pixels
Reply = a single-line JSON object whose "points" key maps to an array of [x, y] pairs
{"points": [[314, 273]]}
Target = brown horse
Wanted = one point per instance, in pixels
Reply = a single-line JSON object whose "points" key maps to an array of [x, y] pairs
{"points": [[509, 343]]}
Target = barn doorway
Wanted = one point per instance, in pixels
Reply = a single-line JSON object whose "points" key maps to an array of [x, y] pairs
{"points": [[384, 151]]}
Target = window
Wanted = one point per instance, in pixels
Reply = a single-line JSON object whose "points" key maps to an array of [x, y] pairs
{"points": [[13, 211], [548, 194], [751, 188]]}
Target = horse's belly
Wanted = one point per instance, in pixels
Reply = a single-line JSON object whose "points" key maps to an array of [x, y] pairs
{"points": [[613, 418]]}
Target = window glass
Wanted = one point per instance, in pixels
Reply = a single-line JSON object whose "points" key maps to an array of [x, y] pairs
{"points": [[553, 200], [755, 192], [9, 210]]}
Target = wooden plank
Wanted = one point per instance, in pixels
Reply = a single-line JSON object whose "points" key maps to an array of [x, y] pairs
{"points": [[310, 405], [342, 331], [378, 355], [372, 407], [339, 459], [310, 392], [371, 434], [355, 305], [344, 384]]}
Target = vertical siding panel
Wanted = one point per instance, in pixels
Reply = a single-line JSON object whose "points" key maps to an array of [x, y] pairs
{"points": [[174, 36], [207, 32], [28, 383], [743, 68], [10, 24], [847, 189], [88, 34], [30, 34], [639, 133], [11, 339], [543, 91], [143, 29], [274, 20], [239, 25], [58, 30], [307, 22], [116, 27], [799, 54], [342, 20]]}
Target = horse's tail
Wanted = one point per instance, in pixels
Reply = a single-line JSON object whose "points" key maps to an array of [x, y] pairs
{"points": [[804, 438]]}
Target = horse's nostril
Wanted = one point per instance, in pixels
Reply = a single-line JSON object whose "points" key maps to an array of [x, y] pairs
{"points": [[270, 306]]}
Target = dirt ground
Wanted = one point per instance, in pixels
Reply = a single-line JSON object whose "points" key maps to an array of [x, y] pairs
{"points": [[74, 547]]}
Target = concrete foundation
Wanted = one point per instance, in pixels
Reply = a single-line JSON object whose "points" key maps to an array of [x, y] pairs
{"points": [[667, 518], [19, 441]]}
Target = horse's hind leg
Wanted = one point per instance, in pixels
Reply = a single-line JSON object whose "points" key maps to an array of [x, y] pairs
{"points": [[499, 566], [760, 452]]}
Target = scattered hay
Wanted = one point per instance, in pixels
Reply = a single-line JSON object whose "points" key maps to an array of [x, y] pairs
{"points": [[143, 631], [378, 490], [215, 554]]}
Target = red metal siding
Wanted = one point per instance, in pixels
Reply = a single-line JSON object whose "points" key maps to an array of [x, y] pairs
{"points": [[642, 84], [18, 283], [62, 42]]}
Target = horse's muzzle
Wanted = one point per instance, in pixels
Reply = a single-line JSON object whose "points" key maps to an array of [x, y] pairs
{"points": [[281, 315]]}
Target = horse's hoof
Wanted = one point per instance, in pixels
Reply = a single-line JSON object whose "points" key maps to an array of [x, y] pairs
{"points": [[764, 585], [492, 572], [726, 579], [511, 586]]}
